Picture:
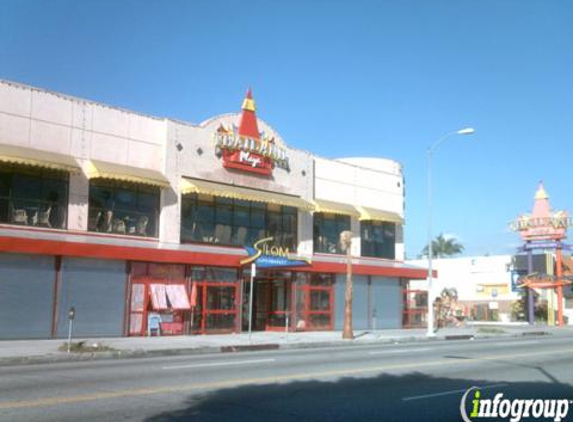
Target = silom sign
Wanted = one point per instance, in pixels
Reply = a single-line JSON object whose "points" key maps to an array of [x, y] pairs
{"points": [[246, 149], [266, 255]]}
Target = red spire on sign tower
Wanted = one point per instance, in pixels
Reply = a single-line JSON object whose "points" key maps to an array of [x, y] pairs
{"points": [[541, 207], [248, 125]]}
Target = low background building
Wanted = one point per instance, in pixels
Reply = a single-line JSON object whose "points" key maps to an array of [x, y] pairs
{"points": [[483, 284]]}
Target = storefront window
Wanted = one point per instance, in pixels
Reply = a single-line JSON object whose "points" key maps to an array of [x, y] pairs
{"points": [[378, 239], [320, 279], [319, 300], [33, 197], [123, 208], [327, 229], [208, 219], [213, 274], [221, 298], [158, 291]]}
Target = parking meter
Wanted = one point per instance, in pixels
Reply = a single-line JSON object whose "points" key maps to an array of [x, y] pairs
{"points": [[71, 316]]}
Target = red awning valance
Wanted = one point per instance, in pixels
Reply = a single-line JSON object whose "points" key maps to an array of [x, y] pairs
{"points": [[177, 296]]}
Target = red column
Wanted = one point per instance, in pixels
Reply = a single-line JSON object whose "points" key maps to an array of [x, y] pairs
{"points": [[559, 274]]}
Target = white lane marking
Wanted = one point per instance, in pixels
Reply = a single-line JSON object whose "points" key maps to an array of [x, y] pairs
{"points": [[446, 393], [235, 362], [516, 343], [384, 352]]}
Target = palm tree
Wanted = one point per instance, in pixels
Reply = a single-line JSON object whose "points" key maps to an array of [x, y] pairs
{"points": [[442, 247], [346, 244]]}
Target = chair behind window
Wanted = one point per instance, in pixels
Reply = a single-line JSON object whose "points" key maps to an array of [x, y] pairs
{"points": [[93, 221], [219, 233], [141, 228], [19, 216], [44, 217], [107, 224], [119, 226], [241, 235]]}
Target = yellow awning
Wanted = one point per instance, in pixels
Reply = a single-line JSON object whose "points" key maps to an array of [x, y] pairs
{"points": [[379, 215], [322, 205], [38, 158], [101, 170], [235, 192]]}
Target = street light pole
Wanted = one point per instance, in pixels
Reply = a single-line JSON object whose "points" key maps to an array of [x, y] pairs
{"points": [[431, 149]]}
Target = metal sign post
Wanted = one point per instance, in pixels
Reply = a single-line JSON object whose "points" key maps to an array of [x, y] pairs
{"points": [[253, 274]]}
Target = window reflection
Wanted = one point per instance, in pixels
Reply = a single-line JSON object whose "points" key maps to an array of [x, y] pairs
{"points": [[327, 229], [33, 197], [123, 208], [378, 239], [208, 219]]}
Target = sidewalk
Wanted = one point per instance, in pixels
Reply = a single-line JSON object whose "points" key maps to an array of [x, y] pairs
{"points": [[43, 351]]}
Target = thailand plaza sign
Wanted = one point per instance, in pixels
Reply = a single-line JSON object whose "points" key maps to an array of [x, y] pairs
{"points": [[247, 149], [542, 224], [266, 255], [542, 228], [249, 154]]}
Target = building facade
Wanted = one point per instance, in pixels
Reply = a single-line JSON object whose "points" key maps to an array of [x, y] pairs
{"points": [[485, 285], [127, 217]]}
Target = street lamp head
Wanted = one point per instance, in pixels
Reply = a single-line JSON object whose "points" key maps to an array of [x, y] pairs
{"points": [[466, 131]]}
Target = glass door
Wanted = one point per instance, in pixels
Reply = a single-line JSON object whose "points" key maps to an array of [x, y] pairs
{"points": [[319, 308], [279, 292], [220, 307], [215, 308]]}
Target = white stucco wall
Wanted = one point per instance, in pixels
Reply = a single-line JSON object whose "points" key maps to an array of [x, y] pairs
{"points": [[47, 121], [38, 119], [466, 274], [369, 182]]}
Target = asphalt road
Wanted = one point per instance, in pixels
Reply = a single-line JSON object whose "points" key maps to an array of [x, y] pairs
{"points": [[405, 382]]}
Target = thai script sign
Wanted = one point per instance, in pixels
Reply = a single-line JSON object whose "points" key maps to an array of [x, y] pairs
{"points": [[249, 154]]}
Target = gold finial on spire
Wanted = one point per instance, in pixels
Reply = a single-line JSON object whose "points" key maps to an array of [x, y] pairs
{"points": [[541, 193], [248, 102]]}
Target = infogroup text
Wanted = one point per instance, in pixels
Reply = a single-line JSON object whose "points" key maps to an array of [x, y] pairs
{"points": [[512, 409]]}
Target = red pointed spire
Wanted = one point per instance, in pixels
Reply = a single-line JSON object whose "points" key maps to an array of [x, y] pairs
{"points": [[248, 125], [541, 207]]}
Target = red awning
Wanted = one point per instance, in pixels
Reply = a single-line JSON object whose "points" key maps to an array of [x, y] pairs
{"points": [[158, 297]]}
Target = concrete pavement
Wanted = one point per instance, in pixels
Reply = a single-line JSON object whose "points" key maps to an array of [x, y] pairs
{"points": [[45, 351]]}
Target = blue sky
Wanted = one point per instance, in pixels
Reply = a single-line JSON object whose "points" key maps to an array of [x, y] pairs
{"points": [[340, 78]]}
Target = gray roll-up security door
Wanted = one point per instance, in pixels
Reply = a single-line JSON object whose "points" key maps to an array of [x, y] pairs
{"points": [[26, 296], [96, 289], [359, 302], [386, 302]]}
